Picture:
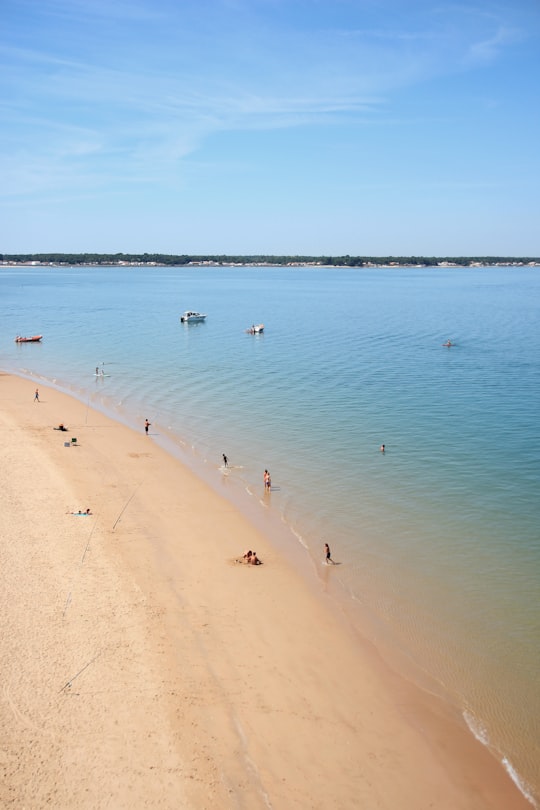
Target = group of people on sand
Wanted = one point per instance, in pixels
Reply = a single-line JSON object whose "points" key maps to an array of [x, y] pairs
{"points": [[250, 557]]}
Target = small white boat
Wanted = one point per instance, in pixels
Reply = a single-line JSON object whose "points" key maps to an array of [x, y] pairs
{"points": [[256, 329], [192, 317]]}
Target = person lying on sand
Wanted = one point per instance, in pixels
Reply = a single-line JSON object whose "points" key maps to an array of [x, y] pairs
{"points": [[80, 512], [60, 427]]}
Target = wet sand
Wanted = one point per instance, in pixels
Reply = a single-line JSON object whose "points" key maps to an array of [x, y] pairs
{"points": [[142, 666]]}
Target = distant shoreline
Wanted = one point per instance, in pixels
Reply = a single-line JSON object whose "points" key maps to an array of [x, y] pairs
{"points": [[166, 260]]}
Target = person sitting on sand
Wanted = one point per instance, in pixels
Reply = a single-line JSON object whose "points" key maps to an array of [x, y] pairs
{"points": [[247, 555], [254, 560]]}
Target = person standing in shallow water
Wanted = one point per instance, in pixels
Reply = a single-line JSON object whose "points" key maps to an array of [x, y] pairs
{"points": [[146, 426], [225, 460]]}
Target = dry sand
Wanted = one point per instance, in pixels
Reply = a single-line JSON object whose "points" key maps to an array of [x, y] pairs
{"points": [[143, 667]]}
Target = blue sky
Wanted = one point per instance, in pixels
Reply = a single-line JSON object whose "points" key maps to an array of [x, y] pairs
{"points": [[361, 127]]}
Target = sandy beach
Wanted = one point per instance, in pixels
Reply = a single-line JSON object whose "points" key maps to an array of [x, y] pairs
{"points": [[142, 666]]}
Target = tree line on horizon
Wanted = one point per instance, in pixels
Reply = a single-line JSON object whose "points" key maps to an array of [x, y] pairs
{"points": [[185, 259]]}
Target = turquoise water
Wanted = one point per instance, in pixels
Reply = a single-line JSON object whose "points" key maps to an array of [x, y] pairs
{"points": [[439, 537]]}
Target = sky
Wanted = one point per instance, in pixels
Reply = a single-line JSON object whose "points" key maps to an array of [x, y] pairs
{"points": [[297, 127]]}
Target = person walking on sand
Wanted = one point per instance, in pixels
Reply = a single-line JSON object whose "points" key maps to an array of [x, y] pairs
{"points": [[329, 560], [146, 426], [36, 395]]}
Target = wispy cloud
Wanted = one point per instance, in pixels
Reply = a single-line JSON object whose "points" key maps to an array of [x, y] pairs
{"points": [[487, 50], [99, 10], [92, 103]]}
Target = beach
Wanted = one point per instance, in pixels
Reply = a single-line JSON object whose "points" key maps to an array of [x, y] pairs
{"points": [[143, 666]]}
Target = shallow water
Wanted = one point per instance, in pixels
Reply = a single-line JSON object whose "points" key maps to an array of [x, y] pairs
{"points": [[439, 536]]}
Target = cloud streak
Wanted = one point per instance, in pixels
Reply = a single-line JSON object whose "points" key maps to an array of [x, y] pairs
{"points": [[128, 93]]}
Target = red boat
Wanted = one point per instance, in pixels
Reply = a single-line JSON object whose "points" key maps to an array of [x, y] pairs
{"points": [[33, 339]]}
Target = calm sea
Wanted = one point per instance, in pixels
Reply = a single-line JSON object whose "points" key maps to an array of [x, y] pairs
{"points": [[439, 537]]}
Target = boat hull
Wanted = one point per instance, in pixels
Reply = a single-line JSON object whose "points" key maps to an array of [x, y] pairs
{"points": [[192, 317]]}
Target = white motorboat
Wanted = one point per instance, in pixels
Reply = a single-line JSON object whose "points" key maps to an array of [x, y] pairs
{"points": [[192, 317], [256, 329]]}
